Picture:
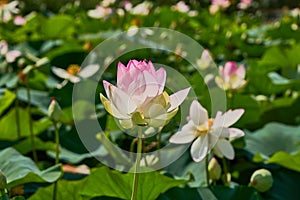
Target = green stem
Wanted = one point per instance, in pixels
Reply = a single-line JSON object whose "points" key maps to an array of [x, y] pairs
{"points": [[35, 158], [56, 143], [137, 165], [2, 191], [56, 157], [158, 145], [132, 149], [206, 170], [225, 168], [230, 99], [17, 115]]}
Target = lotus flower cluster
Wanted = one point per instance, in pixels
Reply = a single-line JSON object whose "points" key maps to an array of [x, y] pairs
{"points": [[209, 134], [231, 76], [139, 98]]}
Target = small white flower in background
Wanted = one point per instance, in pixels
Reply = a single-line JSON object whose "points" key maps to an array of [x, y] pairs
{"points": [[209, 134], [205, 61], [107, 3], [74, 73], [244, 4], [295, 12], [216, 5], [120, 12], [99, 12], [7, 9], [10, 56], [127, 5], [231, 77], [181, 7], [19, 20], [142, 8], [132, 31]]}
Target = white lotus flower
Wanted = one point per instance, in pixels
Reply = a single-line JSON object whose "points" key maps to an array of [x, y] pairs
{"points": [[209, 134], [75, 73], [7, 9]]}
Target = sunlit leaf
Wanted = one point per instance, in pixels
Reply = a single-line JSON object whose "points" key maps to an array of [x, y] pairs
{"points": [[19, 169]]}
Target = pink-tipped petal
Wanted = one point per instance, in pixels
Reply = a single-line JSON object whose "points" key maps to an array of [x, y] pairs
{"points": [[241, 72], [106, 86], [121, 100], [152, 87], [200, 148], [230, 68], [235, 133], [197, 113], [205, 55], [161, 79], [177, 98], [150, 68], [121, 75]]}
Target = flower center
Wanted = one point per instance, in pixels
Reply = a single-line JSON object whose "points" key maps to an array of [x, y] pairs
{"points": [[73, 69], [3, 2], [204, 128]]}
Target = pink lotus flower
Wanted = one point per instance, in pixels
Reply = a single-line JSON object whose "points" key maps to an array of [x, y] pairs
{"points": [[231, 76], [10, 56], [209, 134], [216, 5], [139, 98]]}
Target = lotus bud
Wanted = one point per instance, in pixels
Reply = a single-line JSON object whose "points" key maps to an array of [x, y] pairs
{"points": [[261, 180], [214, 169], [54, 110]]}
